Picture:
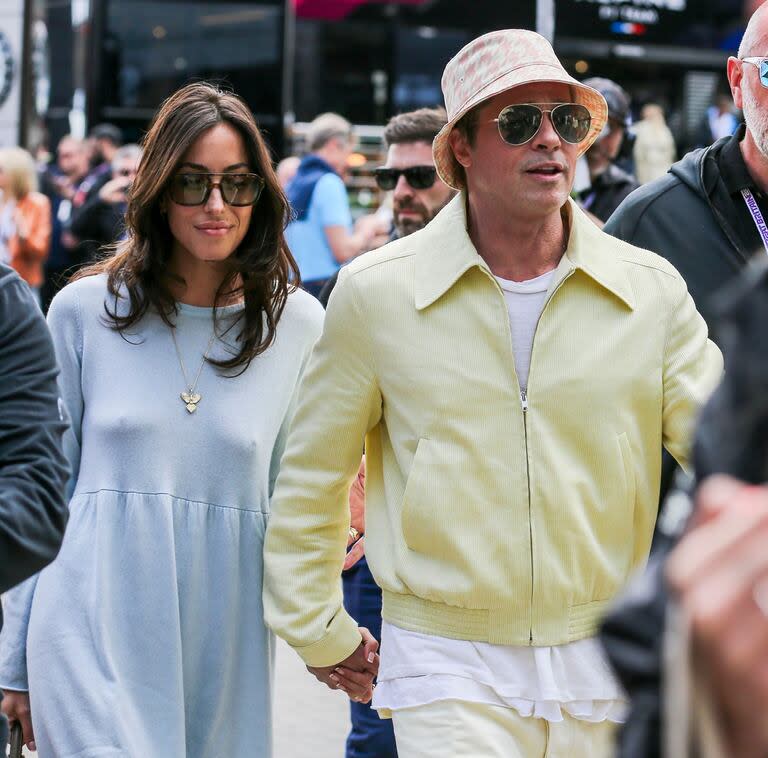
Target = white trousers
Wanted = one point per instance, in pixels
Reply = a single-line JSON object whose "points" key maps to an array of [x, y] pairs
{"points": [[460, 729]]}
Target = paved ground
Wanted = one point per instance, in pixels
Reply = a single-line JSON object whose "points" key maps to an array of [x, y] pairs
{"points": [[310, 720]]}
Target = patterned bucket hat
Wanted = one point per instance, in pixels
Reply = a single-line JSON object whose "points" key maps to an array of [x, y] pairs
{"points": [[497, 62]]}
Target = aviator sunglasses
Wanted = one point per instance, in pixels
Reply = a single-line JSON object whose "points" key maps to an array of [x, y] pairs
{"points": [[236, 189], [419, 177], [762, 67], [520, 123]]}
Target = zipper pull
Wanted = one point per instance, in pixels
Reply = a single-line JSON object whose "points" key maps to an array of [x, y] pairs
{"points": [[524, 400]]}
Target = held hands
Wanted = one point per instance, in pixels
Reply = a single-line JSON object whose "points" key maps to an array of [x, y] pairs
{"points": [[356, 518], [355, 674], [15, 706]]}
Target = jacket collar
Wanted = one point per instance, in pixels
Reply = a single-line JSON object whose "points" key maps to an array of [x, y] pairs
{"points": [[446, 253]]}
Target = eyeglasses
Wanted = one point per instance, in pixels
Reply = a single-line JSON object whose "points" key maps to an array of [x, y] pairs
{"points": [[519, 124], [236, 189], [762, 67], [419, 177]]}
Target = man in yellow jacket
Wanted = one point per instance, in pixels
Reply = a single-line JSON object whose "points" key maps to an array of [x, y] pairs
{"points": [[514, 373]]}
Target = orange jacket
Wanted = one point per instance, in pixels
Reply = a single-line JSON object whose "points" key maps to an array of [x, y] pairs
{"points": [[29, 254]]}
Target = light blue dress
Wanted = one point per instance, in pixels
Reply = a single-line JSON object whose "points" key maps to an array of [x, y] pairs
{"points": [[145, 637]]}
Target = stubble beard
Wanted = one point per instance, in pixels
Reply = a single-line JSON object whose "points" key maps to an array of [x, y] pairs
{"points": [[406, 226], [756, 119]]}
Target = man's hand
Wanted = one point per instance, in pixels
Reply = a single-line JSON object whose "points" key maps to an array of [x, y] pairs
{"points": [[355, 674], [15, 706], [356, 518], [720, 572], [115, 190]]}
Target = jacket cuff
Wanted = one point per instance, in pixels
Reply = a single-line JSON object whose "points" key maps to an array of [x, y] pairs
{"points": [[340, 641]]}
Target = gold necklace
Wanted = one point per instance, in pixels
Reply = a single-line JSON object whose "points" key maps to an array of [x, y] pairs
{"points": [[191, 398]]}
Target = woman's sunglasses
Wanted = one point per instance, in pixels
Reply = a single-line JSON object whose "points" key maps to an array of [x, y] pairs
{"points": [[519, 124], [762, 67], [236, 189], [419, 177]]}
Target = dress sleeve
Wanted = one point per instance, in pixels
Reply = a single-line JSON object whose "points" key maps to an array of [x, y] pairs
{"points": [[65, 325]]}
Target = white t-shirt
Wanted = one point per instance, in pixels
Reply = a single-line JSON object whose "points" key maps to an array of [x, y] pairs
{"points": [[525, 302], [417, 669]]}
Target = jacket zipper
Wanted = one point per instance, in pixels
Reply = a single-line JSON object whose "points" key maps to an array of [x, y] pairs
{"points": [[524, 405]]}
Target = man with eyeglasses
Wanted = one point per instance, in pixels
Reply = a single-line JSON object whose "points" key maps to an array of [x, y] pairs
{"points": [[707, 215], [418, 193], [513, 371], [101, 219]]}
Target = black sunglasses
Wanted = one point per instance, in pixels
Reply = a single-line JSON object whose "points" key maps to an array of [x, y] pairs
{"points": [[236, 189], [519, 124], [419, 177]]}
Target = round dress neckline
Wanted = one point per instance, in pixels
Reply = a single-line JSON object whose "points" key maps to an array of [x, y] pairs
{"points": [[207, 311]]}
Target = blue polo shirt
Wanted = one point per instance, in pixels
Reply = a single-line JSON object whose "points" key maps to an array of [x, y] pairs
{"points": [[329, 206]]}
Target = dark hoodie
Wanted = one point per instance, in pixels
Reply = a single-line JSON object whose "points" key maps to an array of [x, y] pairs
{"points": [[689, 217]]}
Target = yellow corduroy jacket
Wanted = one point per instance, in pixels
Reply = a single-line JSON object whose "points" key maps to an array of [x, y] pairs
{"points": [[490, 515]]}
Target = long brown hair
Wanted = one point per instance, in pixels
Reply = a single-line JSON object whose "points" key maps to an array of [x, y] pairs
{"points": [[262, 263]]}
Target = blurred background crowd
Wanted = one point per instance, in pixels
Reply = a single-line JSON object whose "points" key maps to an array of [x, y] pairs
{"points": [[81, 80]]}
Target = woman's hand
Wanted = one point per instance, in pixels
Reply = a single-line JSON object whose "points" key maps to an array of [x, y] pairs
{"points": [[355, 674], [15, 706]]}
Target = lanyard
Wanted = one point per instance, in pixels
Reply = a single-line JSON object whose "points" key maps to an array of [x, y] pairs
{"points": [[757, 217]]}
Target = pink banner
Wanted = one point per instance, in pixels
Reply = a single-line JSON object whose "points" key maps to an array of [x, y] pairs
{"points": [[334, 10]]}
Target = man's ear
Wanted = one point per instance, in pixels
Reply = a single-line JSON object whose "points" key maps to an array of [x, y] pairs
{"points": [[461, 148], [735, 75]]}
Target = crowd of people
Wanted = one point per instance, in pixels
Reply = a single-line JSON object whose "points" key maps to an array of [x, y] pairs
{"points": [[436, 489]]}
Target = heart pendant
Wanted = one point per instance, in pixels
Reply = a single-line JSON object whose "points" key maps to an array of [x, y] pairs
{"points": [[191, 397], [191, 407]]}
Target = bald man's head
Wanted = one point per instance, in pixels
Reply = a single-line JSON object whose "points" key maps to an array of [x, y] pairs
{"points": [[755, 39]]}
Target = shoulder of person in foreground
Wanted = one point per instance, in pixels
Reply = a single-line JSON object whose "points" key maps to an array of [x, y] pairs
{"points": [[383, 267], [33, 470]]}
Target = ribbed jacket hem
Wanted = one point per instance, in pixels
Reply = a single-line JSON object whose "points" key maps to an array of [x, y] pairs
{"points": [[498, 626]]}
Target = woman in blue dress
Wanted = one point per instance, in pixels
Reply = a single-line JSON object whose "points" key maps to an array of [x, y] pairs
{"points": [[180, 356]]}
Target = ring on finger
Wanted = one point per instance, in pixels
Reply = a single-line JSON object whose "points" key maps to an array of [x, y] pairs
{"points": [[353, 533]]}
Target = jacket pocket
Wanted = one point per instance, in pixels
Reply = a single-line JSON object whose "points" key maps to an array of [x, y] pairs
{"points": [[416, 524], [628, 502], [630, 485]]}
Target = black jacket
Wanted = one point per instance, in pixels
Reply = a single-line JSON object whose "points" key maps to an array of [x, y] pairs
{"points": [[608, 190], [96, 224], [687, 216], [33, 470]]}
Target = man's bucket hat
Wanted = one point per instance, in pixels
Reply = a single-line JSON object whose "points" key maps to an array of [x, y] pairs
{"points": [[497, 62]]}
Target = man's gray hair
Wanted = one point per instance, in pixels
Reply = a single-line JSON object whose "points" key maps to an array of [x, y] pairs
{"points": [[131, 151], [325, 127]]}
